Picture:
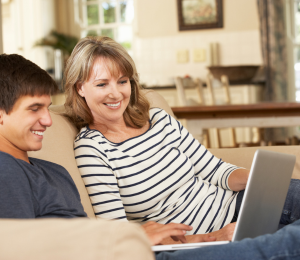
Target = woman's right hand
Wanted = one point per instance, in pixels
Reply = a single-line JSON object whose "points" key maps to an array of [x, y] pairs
{"points": [[157, 232]]}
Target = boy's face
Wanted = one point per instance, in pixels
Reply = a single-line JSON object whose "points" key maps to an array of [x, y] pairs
{"points": [[25, 125]]}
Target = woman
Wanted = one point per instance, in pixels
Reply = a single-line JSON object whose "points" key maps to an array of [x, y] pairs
{"points": [[140, 164]]}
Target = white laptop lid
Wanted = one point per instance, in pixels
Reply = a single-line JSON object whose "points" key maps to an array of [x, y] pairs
{"points": [[265, 194]]}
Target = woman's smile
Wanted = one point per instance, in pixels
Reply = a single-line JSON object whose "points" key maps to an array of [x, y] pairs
{"points": [[113, 105]]}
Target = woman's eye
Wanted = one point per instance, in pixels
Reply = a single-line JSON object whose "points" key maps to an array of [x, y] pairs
{"points": [[124, 82], [101, 85]]}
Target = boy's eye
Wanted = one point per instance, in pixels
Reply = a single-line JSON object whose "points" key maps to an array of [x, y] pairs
{"points": [[35, 109]]}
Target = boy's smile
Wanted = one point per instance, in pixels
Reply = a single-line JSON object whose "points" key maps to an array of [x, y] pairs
{"points": [[23, 128]]}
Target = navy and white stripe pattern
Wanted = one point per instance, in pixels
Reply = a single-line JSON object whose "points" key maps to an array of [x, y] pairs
{"points": [[163, 175]]}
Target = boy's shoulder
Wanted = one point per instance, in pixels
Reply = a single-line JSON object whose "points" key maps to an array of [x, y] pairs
{"points": [[7, 160], [44, 163], [51, 168], [10, 167]]}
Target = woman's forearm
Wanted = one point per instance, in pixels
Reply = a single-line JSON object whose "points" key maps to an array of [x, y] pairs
{"points": [[238, 179]]}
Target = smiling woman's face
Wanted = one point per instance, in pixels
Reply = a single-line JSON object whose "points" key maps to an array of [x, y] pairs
{"points": [[107, 96]]}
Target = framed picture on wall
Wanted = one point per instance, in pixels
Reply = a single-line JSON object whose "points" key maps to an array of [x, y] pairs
{"points": [[199, 14]]}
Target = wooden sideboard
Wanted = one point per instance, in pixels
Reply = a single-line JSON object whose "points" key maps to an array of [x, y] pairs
{"points": [[281, 114], [260, 115], [239, 94]]}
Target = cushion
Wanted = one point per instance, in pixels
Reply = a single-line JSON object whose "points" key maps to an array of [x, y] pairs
{"points": [[76, 239]]}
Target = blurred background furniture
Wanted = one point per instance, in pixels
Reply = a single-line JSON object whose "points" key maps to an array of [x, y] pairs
{"points": [[227, 100], [263, 115], [187, 82], [197, 85]]}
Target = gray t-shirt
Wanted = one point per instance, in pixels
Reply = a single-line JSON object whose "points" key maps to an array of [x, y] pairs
{"points": [[40, 189]]}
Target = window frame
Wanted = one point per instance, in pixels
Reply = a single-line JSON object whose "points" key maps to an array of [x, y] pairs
{"points": [[85, 28]]}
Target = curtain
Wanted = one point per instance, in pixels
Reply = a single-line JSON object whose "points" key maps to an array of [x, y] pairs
{"points": [[273, 43]]}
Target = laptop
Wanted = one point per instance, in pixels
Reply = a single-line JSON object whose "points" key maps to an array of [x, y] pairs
{"points": [[263, 199]]}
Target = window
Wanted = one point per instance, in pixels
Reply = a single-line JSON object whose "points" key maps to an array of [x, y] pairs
{"points": [[296, 34], [112, 18]]}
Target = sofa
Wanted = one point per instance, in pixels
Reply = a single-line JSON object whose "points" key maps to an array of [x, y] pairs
{"points": [[89, 238]]}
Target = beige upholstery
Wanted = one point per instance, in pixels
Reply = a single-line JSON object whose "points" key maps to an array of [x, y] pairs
{"points": [[243, 156], [77, 239]]}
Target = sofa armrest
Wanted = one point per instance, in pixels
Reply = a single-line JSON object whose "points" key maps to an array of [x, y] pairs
{"points": [[73, 239]]}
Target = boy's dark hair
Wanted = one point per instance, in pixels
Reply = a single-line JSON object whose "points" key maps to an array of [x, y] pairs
{"points": [[20, 77]]}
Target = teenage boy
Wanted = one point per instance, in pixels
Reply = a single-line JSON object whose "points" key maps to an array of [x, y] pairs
{"points": [[30, 188]]}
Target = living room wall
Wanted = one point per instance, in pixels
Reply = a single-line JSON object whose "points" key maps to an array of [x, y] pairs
{"points": [[158, 40], [25, 22], [159, 18]]}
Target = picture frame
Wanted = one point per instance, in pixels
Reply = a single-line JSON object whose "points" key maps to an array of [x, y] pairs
{"points": [[200, 14]]}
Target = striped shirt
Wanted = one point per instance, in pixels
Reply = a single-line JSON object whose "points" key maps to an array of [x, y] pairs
{"points": [[162, 175]]}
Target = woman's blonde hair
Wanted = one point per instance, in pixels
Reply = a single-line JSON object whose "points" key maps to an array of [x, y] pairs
{"points": [[117, 60]]}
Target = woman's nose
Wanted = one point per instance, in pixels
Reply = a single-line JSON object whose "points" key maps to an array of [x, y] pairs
{"points": [[114, 92]]}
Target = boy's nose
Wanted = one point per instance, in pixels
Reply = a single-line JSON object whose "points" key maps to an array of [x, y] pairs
{"points": [[46, 119]]}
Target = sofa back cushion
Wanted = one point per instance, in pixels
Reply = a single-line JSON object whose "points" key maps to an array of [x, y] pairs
{"points": [[243, 157]]}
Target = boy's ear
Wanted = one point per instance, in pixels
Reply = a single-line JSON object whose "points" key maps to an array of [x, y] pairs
{"points": [[1, 116]]}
